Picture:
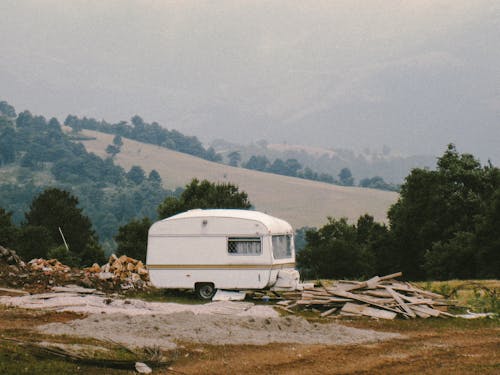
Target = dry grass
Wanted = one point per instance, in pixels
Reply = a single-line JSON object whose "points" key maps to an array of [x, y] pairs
{"points": [[299, 201]]}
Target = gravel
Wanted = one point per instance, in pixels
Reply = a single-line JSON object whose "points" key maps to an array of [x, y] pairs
{"points": [[137, 323]]}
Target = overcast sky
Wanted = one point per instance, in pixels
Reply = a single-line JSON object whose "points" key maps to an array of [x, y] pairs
{"points": [[413, 75]]}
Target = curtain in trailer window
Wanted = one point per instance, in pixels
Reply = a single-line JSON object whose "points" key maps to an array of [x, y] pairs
{"points": [[282, 246], [244, 246]]}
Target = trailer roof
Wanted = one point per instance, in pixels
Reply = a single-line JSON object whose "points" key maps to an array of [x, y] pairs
{"points": [[272, 223]]}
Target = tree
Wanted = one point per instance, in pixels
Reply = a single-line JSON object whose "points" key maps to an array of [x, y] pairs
{"points": [[24, 119], [154, 177], [345, 177], [292, 166], [8, 231], [335, 251], [204, 194], [234, 158], [258, 163], [117, 141], [112, 150], [132, 239], [74, 123], [7, 110], [34, 241], [377, 182], [487, 240], [278, 166], [54, 209], [136, 175], [435, 223], [7, 142]]}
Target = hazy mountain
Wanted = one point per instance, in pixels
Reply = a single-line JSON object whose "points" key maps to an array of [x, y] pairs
{"points": [[391, 167], [345, 74]]}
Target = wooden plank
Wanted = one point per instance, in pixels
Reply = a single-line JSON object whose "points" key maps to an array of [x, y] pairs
{"points": [[17, 292], [370, 284], [376, 293], [367, 300], [421, 314], [417, 300], [426, 310], [329, 312], [424, 292], [322, 301], [391, 276], [368, 311], [343, 313], [400, 301]]}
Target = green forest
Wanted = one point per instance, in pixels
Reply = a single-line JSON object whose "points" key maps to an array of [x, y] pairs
{"points": [[141, 131], [36, 154], [443, 226]]}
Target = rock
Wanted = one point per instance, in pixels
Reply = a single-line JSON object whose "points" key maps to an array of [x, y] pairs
{"points": [[142, 368]]}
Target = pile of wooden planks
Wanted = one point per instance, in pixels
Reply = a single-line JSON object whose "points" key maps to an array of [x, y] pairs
{"points": [[379, 297]]}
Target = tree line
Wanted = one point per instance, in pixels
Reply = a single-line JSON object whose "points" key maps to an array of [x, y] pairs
{"points": [[56, 227], [35, 153], [443, 226], [151, 133], [292, 167]]}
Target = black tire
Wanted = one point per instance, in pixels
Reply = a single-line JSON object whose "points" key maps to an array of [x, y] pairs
{"points": [[205, 291]]}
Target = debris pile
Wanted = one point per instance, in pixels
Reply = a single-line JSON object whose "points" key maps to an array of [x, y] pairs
{"points": [[124, 273], [36, 276], [11, 266], [379, 297], [48, 266], [10, 258], [39, 275]]}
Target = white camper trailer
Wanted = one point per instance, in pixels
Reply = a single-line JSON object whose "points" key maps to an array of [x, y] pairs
{"points": [[208, 250]]}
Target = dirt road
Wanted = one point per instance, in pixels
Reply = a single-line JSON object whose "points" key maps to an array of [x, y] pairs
{"points": [[431, 347], [453, 346]]}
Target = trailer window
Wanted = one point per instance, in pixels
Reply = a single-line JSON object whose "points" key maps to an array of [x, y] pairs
{"points": [[244, 246], [282, 246]]}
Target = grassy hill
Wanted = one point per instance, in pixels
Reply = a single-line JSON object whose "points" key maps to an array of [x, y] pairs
{"points": [[301, 202]]}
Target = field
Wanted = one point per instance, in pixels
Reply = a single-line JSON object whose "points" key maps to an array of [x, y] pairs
{"points": [[426, 346], [299, 201]]}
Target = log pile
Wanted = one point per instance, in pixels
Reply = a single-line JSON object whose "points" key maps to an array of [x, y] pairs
{"points": [[123, 272], [48, 266], [379, 297]]}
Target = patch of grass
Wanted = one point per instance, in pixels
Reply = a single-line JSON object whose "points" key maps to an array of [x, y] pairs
{"points": [[16, 360], [474, 295], [422, 325]]}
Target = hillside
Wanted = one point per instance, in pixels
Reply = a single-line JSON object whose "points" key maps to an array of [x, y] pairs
{"points": [[301, 202]]}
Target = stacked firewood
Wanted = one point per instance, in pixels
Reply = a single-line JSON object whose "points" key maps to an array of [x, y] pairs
{"points": [[379, 297], [125, 272], [48, 265]]}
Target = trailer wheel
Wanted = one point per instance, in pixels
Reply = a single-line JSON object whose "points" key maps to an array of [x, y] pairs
{"points": [[205, 291]]}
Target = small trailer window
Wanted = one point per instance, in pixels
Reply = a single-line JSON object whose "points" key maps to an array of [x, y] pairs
{"points": [[244, 246], [282, 246]]}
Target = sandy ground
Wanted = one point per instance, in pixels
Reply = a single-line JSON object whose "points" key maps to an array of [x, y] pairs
{"points": [[426, 346], [139, 323], [97, 304], [165, 330]]}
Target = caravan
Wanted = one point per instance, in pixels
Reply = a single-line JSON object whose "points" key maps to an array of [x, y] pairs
{"points": [[206, 250]]}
